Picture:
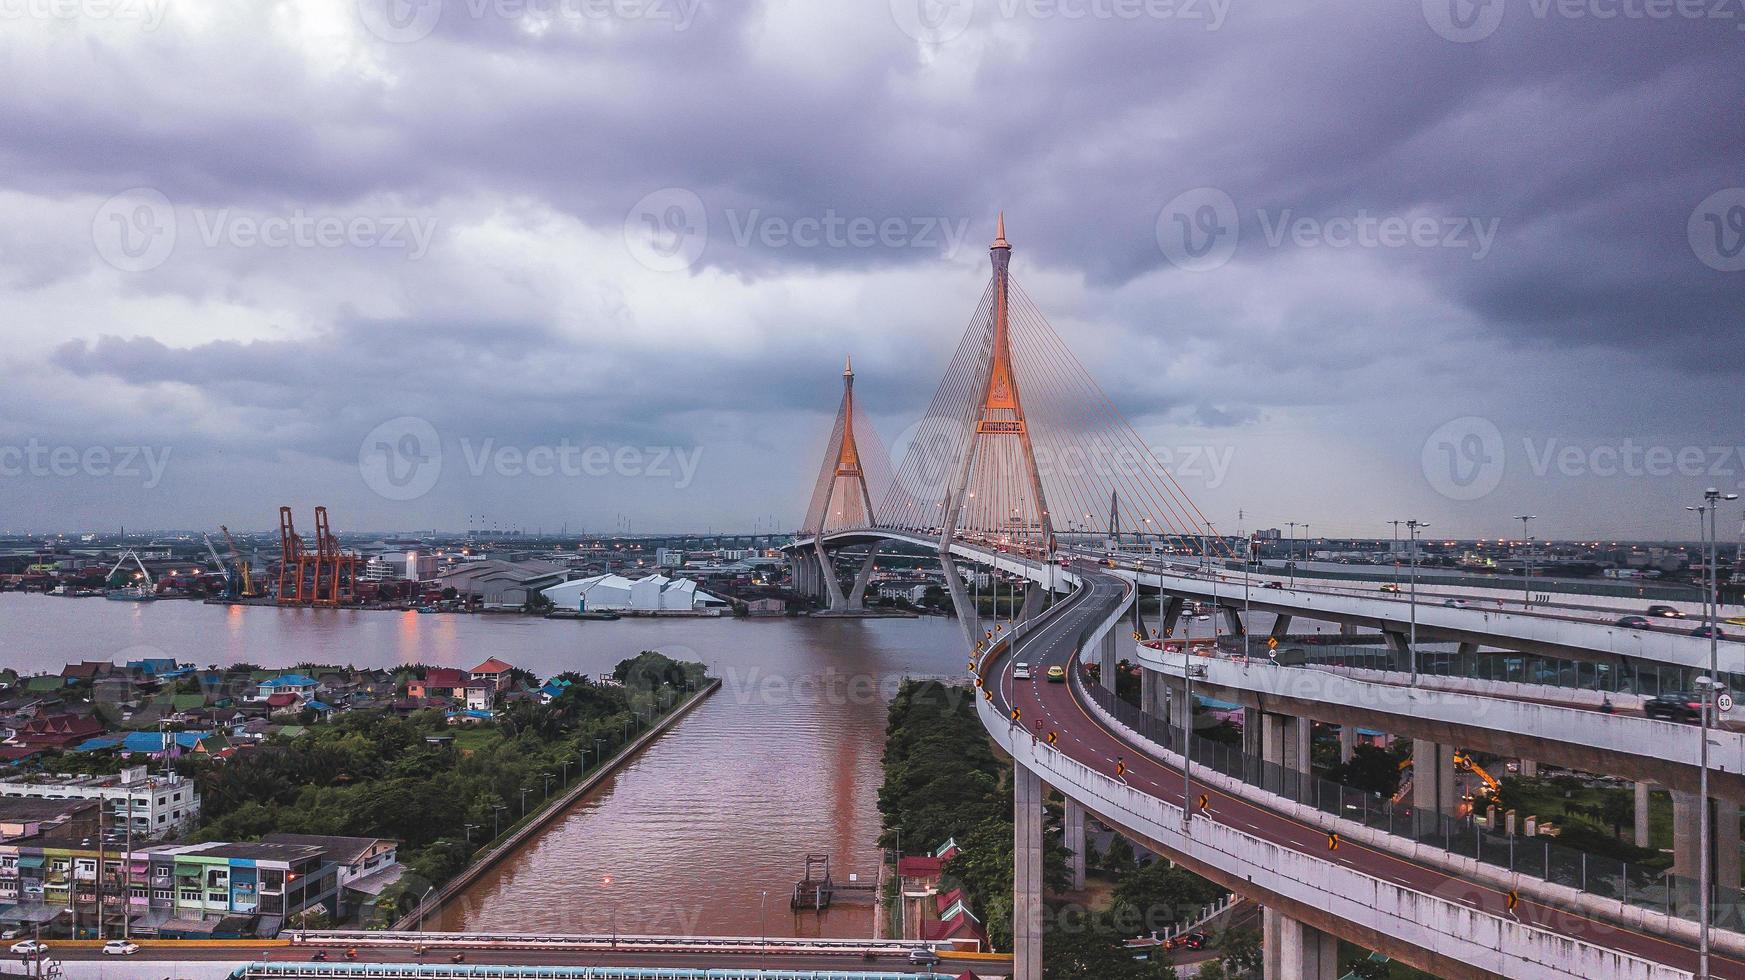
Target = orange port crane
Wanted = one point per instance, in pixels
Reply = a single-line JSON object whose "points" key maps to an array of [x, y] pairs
{"points": [[326, 576]]}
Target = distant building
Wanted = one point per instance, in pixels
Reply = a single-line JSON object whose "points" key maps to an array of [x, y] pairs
{"points": [[668, 557], [767, 606], [492, 674], [161, 805], [503, 584], [615, 593], [303, 687]]}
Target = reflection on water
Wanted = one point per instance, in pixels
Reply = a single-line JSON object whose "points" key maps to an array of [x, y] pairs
{"points": [[704, 834]]}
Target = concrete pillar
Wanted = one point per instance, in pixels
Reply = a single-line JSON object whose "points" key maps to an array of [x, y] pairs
{"points": [[1027, 876], [1529, 768], [1233, 621], [1172, 611], [1685, 831], [1281, 626], [1726, 841], [1034, 596], [1305, 953], [1109, 655], [833, 588], [1643, 789], [1075, 843], [1401, 650], [1347, 742], [857, 597], [1432, 783], [1272, 944]]}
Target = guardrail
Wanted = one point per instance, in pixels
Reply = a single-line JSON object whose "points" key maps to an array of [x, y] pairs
{"points": [[417, 970], [1418, 919], [376, 939]]}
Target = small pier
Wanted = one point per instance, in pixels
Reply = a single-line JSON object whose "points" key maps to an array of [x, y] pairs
{"points": [[820, 889]]}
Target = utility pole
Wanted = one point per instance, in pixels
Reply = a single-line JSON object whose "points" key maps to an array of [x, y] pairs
{"points": [[1526, 561]]}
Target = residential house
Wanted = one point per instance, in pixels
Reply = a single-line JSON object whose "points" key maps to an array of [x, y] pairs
{"points": [[366, 866], [159, 805], [438, 682], [298, 684], [57, 731], [493, 673]]}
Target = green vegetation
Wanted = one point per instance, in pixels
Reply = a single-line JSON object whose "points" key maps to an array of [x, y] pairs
{"points": [[1588, 817], [943, 782], [373, 775], [1372, 770], [1238, 956]]}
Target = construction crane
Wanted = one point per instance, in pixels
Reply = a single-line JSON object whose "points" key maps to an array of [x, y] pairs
{"points": [[143, 592], [242, 564], [223, 568]]}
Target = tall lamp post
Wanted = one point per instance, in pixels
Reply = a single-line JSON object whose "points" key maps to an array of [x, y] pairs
{"points": [[1413, 527], [1706, 524], [1526, 560]]}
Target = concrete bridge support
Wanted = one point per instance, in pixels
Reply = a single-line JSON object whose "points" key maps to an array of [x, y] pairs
{"points": [[1723, 841], [1233, 620], [1347, 742], [832, 588], [1643, 789], [1304, 952], [1529, 768], [1281, 626], [1075, 843], [1027, 878], [1432, 783], [969, 618], [1171, 614], [1285, 748], [857, 597], [1035, 598], [1109, 656]]}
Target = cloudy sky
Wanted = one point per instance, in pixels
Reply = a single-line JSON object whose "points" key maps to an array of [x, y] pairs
{"points": [[596, 263]]}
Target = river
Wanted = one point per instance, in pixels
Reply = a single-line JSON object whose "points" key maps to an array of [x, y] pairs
{"points": [[783, 761]]}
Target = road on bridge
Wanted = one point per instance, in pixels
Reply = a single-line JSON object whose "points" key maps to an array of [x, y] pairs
{"points": [[1046, 707]]}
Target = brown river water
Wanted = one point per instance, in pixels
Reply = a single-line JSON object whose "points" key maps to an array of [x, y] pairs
{"points": [[705, 834]]}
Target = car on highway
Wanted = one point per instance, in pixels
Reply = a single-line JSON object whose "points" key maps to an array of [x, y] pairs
{"points": [[29, 947], [1057, 674], [120, 947], [1734, 620], [923, 957], [1456, 603], [1703, 631], [1390, 587], [1677, 706], [1665, 612], [1273, 585], [1636, 623], [1020, 671]]}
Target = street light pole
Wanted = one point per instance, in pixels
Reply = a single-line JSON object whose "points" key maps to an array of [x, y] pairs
{"points": [[1526, 561], [1394, 555], [1413, 527], [1711, 602]]}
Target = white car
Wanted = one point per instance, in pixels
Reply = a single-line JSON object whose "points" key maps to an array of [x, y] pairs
{"points": [[29, 947], [1020, 672], [120, 947]]}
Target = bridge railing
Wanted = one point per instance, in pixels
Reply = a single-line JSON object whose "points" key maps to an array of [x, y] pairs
{"points": [[1645, 886]]}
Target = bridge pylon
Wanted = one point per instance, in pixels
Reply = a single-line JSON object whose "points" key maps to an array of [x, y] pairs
{"points": [[855, 471]]}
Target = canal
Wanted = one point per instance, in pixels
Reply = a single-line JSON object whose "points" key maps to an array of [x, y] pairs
{"points": [[704, 834]]}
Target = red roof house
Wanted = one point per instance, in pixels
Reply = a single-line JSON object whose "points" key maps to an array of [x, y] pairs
{"points": [[493, 673], [439, 682], [57, 731]]}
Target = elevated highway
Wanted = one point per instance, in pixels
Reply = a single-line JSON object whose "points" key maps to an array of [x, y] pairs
{"points": [[1374, 894]]}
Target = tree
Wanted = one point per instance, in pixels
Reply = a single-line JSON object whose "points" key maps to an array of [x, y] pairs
{"points": [[1157, 896], [1371, 770], [1091, 947], [1239, 951], [1614, 808], [1364, 968]]}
